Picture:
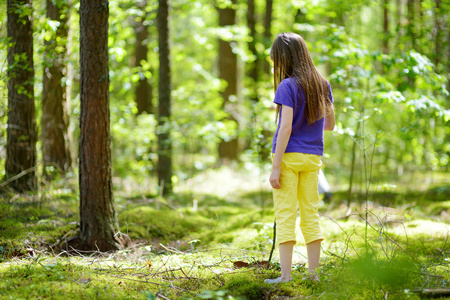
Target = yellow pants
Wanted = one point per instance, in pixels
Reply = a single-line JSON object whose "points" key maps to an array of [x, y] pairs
{"points": [[299, 180]]}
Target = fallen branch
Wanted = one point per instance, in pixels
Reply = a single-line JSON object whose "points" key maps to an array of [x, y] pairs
{"points": [[151, 282], [15, 177], [161, 296], [434, 293], [173, 250], [137, 280]]}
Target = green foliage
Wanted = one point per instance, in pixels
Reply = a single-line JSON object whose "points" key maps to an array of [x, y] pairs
{"points": [[129, 130], [396, 273], [23, 10], [394, 106]]}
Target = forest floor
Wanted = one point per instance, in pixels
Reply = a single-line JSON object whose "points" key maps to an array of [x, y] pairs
{"points": [[212, 240]]}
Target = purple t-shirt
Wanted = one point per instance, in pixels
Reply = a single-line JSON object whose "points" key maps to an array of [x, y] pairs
{"points": [[304, 138]]}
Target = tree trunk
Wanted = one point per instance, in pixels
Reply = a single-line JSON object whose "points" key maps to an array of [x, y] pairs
{"points": [[267, 32], [21, 131], [437, 35], [448, 55], [70, 78], [398, 29], [253, 66], [144, 93], [386, 26], [411, 32], [97, 215], [421, 30], [164, 142], [300, 18], [228, 72], [55, 142]]}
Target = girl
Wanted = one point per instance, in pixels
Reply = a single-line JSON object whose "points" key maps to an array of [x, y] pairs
{"points": [[305, 109]]}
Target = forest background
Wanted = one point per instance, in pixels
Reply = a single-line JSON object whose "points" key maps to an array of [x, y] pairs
{"points": [[191, 120]]}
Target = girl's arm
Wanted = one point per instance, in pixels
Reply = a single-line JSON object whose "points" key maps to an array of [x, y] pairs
{"points": [[330, 120], [284, 134]]}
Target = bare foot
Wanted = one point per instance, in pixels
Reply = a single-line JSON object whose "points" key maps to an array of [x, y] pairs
{"points": [[314, 277], [277, 280]]}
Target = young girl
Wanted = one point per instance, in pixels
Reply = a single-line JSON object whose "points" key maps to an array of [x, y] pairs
{"points": [[305, 109]]}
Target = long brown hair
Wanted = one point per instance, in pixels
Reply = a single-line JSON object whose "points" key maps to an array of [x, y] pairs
{"points": [[291, 58]]}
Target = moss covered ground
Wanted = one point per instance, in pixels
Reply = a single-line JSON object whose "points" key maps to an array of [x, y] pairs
{"points": [[218, 248]]}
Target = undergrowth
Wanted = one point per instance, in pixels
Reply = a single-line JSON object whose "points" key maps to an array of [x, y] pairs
{"points": [[219, 249]]}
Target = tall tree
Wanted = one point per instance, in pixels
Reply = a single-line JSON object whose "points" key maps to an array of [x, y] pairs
{"points": [[268, 31], [438, 33], [144, 92], [21, 131], [97, 215], [410, 28], [448, 47], [55, 141], [164, 142], [253, 66], [399, 27], [228, 150], [385, 26]]}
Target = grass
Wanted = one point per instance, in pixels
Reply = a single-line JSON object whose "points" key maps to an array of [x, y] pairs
{"points": [[179, 252]]}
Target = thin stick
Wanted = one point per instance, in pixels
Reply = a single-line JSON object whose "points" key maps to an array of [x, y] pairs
{"points": [[161, 296], [273, 243], [15, 177], [176, 251], [137, 280]]}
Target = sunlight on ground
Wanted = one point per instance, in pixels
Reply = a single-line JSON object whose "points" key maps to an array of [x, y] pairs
{"points": [[225, 181], [182, 250], [424, 227]]}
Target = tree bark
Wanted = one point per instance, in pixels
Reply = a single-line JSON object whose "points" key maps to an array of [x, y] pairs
{"points": [[437, 34], [421, 30], [398, 29], [55, 141], [300, 18], [448, 54], [228, 72], [144, 92], [164, 142], [386, 26], [21, 131], [97, 215], [411, 32], [268, 32], [253, 66]]}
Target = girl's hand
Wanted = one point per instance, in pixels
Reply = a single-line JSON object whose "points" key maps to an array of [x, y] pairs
{"points": [[275, 178]]}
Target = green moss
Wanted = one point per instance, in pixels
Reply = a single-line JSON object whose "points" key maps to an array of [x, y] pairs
{"points": [[228, 230], [147, 222], [245, 285], [63, 281], [395, 273]]}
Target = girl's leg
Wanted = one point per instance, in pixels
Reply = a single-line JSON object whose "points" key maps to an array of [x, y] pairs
{"points": [[285, 206], [309, 216], [286, 250], [313, 250]]}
